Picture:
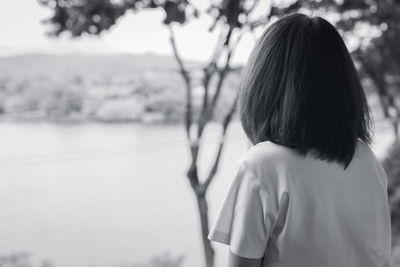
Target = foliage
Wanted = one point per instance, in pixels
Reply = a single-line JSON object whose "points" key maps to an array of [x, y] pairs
{"points": [[392, 168], [21, 259], [25, 259], [32, 95], [95, 16], [163, 260], [139, 96]]}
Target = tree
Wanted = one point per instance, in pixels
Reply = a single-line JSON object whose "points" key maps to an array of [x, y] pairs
{"points": [[378, 56], [232, 18]]}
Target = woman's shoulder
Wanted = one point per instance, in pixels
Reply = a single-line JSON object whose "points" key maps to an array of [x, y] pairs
{"points": [[268, 160], [266, 153], [269, 163], [363, 149]]}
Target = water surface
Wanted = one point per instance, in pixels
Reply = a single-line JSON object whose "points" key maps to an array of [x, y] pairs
{"points": [[105, 195]]}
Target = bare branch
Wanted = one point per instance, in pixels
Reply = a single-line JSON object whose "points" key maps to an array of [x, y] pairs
{"points": [[218, 48], [192, 172], [225, 124], [210, 69], [226, 120], [186, 77], [209, 112], [209, 72]]}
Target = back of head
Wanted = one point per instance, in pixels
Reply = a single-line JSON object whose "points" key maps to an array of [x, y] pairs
{"points": [[300, 89]]}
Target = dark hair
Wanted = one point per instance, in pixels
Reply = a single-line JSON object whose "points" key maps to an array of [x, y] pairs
{"points": [[300, 89]]}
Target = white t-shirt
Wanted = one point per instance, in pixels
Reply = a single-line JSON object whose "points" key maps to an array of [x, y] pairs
{"points": [[298, 211]]}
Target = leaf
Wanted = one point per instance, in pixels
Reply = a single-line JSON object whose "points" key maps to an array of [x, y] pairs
{"points": [[175, 11]]}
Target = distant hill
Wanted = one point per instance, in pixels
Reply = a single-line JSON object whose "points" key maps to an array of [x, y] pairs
{"points": [[122, 64], [112, 88]]}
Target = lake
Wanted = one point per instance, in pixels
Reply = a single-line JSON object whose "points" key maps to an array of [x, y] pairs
{"points": [[110, 195]]}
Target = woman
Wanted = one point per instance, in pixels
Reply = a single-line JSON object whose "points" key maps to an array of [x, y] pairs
{"points": [[310, 192]]}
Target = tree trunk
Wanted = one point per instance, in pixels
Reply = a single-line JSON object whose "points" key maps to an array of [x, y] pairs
{"points": [[203, 212]]}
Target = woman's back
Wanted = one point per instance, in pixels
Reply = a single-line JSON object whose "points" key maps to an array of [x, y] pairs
{"points": [[310, 193], [326, 216]]}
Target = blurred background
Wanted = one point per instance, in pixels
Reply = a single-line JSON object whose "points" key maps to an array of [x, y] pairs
{"points": [[118, 124]]}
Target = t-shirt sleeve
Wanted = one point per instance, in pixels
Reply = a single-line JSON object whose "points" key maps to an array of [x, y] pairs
{"points": [[246, 217]]}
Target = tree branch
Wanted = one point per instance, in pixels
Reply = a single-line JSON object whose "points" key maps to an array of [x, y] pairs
{"points": [[209, 112], [188, 84], [225, 124], [210, 70]]}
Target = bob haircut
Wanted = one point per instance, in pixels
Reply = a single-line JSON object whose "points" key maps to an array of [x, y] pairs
{"points": [[300, 89]]}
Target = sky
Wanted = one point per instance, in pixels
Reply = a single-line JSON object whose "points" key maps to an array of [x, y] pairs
{"points": [[23, 32]]}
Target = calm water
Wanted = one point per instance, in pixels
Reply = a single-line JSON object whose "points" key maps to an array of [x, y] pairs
{"points": [[97, 195]]}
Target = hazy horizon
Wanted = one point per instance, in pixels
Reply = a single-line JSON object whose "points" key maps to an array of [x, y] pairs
{"points": [[129, 35]]}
